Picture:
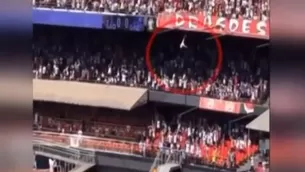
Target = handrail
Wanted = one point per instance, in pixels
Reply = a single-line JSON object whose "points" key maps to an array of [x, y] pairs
{"points": [[69, 153], [90, 134], [104, 145], [94, 122], [84, 136], [65, 147]]}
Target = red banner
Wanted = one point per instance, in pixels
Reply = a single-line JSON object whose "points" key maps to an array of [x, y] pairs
{"points": [[219, 105], [238, 27]]}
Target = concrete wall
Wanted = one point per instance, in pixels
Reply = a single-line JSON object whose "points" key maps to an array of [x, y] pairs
{"points": [[138, 164]]}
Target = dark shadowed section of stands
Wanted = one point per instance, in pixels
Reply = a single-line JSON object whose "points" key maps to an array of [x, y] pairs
{"points": [[88, 94]]}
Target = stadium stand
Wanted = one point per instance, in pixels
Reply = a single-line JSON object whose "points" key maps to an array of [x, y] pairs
{"points": [[108, 57], [204, 142], [108, 109], [248, 9]]}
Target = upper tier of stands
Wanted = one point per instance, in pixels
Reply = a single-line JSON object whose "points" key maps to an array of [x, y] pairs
{"points": [[117, 58], [248, 9]]}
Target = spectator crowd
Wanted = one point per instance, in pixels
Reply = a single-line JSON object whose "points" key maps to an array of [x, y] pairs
{"points": [[250, 9], [198, 140], [117, 57]]}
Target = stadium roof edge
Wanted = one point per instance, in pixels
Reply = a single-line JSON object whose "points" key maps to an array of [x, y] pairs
{"points": [[89, 94]]}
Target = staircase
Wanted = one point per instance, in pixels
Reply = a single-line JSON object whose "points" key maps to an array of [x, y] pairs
{"points": [[164, 157], [81, 159], [156, 162], [82, 168]]}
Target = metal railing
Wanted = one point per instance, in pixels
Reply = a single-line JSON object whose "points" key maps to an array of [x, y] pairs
{"points": [[155, 163], [78, 156], [92, 143]]}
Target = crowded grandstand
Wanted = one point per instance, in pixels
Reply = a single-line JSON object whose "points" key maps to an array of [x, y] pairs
{"points": [[94, 92], [250, 9]]}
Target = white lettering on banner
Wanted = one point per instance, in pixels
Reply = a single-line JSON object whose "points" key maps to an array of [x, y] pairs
{"points": [[231, 25], [246, 26], [261, 28], [221, 22], [191, 24], [179, 20]]}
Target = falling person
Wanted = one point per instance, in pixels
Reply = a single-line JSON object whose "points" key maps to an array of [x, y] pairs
{"points": [[182, 44]]}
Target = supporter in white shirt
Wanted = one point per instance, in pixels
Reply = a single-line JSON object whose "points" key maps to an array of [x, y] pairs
{"points": [[179, 127], [184, 83], [150, 131], [175, 138], [264, 163], [109, 72], [189, 131], [80, 132], [161, 145], [172, 148], [193, 130], [172, 81], [200, 135], [144, 148], [204, 136], [215, 139], [249, 142], [180, 83], [210, 138], [158, 124], [164, 125], [242, 144], [192, 149], [36, 118], [153, 133], [141, 144], [51, 165], [198, 151], [124, 78], [252, 162], [162, 138], [170, 137], [180, 138], [187, 148], [236, 143], [149, 77], [178, 146], [154, 84]]}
